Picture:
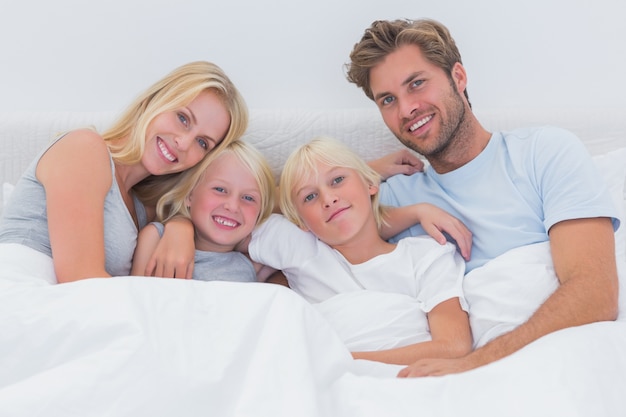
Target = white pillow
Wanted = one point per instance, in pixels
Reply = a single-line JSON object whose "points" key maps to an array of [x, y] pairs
{"points": [[612, 166]]}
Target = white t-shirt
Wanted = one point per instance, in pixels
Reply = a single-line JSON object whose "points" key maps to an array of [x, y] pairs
{"points": [[418, 267], [379, 304]]}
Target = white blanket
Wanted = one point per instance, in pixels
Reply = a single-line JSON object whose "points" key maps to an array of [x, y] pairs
{"points": [[135, 346], [506, 291]]}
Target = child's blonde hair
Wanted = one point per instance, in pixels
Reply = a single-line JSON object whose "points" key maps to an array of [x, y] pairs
{"points": [[172, 203], [302, 162]]}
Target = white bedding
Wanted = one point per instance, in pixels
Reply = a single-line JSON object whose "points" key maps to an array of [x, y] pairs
{"points": [[154, 347], [135, 346]]}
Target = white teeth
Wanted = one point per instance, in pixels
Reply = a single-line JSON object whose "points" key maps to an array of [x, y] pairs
{"points": [[165, 152], [225, 222], [420, 123]]}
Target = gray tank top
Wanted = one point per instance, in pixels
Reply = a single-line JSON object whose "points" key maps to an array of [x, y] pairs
{"points": [[220, 266], [25, 220]]}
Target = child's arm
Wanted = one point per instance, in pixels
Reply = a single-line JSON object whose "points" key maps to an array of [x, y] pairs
{"points": [[434, 220], [451, 338], [263, 272], [147, 241], [270, 275]]}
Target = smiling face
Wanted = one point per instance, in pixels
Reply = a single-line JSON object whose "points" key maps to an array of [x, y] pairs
{"points": [[335, 204], [224, 205], [419, 102], [178, 140]]}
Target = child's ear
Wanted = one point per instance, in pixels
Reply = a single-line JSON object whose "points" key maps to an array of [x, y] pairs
{"points": [[373, 189], [188, 200]]}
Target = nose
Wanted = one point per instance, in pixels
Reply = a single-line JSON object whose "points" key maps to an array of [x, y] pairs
{"points": [[329, 199], [183, 141], [231, 203], [408, 107]]}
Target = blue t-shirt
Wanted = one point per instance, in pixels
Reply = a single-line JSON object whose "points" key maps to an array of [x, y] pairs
{"points": [[519, 186]]}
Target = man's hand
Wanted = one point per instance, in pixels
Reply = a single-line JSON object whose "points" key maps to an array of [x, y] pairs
{"points": [[400, 162]]}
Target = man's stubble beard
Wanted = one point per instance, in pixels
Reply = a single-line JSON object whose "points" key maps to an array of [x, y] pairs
{"points": [[453, 137]]}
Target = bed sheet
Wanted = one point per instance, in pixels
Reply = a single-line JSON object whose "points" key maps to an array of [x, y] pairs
{"points": [[133, 346]]}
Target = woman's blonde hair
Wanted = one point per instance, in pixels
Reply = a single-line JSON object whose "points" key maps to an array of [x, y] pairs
{"points": [[303, 161], [175, 90], [172, 203]]}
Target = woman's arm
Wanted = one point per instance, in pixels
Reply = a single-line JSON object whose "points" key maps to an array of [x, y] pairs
{"points": [[450, 332], [147, 242], [76, 174], [175, 252], [434, 221]]}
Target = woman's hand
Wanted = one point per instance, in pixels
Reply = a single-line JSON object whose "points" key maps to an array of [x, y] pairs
{"points": [[400, 162], [175, 252]]}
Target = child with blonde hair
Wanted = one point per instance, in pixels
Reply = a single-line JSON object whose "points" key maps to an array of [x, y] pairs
{"points": [[225, 198], [328, 243]]}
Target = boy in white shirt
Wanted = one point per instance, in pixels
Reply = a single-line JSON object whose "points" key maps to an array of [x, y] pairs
{"points": [[329, 243]]}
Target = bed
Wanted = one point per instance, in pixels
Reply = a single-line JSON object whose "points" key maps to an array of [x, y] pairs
{"points": [[133, 346]]}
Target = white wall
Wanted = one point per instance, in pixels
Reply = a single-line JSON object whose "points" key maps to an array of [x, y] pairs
{"points": [[92, 56]]}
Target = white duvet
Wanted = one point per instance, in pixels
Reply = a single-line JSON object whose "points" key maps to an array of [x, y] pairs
{"points": [[134, 346]]}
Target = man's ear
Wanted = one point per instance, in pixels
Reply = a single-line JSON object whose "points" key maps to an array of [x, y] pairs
{"points": [[459, 76]]}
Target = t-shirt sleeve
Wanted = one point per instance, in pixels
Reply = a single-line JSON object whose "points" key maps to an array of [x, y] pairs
{"points": [[568, 180], [280, 244], [440, 277]]}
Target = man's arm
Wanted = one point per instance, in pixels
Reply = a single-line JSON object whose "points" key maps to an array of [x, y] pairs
{"points": [[583, 252], [434, 221]]}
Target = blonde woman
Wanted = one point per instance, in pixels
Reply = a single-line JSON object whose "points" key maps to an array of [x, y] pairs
{"points": [[76, 208]]}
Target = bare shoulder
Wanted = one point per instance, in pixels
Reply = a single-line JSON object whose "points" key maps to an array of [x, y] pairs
{"points": [[82, 139], [78, 152]]}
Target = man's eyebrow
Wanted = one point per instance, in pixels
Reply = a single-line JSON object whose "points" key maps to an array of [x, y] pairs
{"points": [[380, 95], [408, 79]]}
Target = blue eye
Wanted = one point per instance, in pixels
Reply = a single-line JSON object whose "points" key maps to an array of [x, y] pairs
{"points": [[204, 144], [183, 119], [309, 197], [387, 100], [219, 189], [338, 180], [249, 198], [417, 83]]}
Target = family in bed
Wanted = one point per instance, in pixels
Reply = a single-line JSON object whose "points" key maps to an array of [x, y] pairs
{"points": [[170, 183]]}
